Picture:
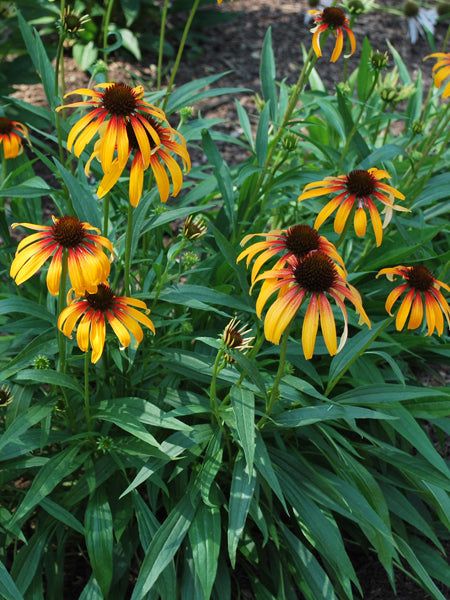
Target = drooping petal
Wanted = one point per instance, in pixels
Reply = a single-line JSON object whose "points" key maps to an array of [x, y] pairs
{"points": [[360, 222], [416, 316], [310, 326], [327, 324], [97, 336], [338, 45], [404, 309]]}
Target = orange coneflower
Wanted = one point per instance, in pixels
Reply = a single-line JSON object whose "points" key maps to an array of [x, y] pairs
{"points": [[311, 278], [421, 289], [88, 265], [118, 105], [159, 158], [441, 71], [10, 138], [94, 310], [359, 186], [295, 242], [334, 19]]}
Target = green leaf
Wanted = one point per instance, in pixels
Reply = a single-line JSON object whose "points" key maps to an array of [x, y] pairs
{"points": [[312, 574], [8, 589], [51, 377], [27, 307], [165, 544], [245, 123], [365, 74], [222, 173], [49, 476], [58, 512], [143, 411], [86, 207], [40, 59], [418, 569], [130, 43], [301, 417], [85, 55], [98, 524], [402, 68], [264, 466], [241, 494], [268, 75], [262, 136], [24, 421], [211, 466], [91, 590], [357, 140], [204, 537], [243, 403], [352, 349]]}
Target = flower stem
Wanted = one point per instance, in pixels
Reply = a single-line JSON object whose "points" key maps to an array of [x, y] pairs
{"points": [[62, 339], [161, 43], [128, 250], [356, 124], [105, 215], [180, 51], [59, 59], [105, 29], [307, 68], [274, 392], [87, 408], [213, 390], [4, 167]]}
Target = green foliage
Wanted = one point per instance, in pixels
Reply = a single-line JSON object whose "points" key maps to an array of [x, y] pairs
{"points": [[206, 462]]}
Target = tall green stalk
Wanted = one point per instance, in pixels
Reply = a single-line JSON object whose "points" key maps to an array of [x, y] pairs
{"points": [[87, 407], [180, 51], [106, 22], [128, 250], [161, 43]]}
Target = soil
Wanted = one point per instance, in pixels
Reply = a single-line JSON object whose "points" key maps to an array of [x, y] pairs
{"points": [[235, 46]]}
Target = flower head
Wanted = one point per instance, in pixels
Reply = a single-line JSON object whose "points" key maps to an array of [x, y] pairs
{"points": [[10, 132], [334, 19], [312, 279], [420, 19], [117, 105], [234, 339], [293, 243], [71, 23], [5, 395], [358, 189], [88, 265], [97, 308], [421, 288], [194, 227], [441, 71], [158, 158]]}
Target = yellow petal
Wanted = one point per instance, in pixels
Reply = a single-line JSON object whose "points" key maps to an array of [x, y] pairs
{"points": [[310, 326]]}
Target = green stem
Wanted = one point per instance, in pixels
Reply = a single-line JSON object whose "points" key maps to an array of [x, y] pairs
{"points": [[214, 406], [105, 29], [105, 215], [307, 68], [447, 37], [356, 124], [347, 48], [180, 51], [161, 43], [4, 167], [62, 339], [128, 250], [274, 392], [388, 126], [59, 59], [87, 407]]}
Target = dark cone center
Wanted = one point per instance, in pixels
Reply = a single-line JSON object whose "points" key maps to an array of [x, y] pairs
{"points": [[301, 239], [411, 9], [316, 273], [68, 232], [6, 125], [332, 16], [420, 278], [132, 139], [361, 183], [232, 338], [119, 100], [102, 299]]}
